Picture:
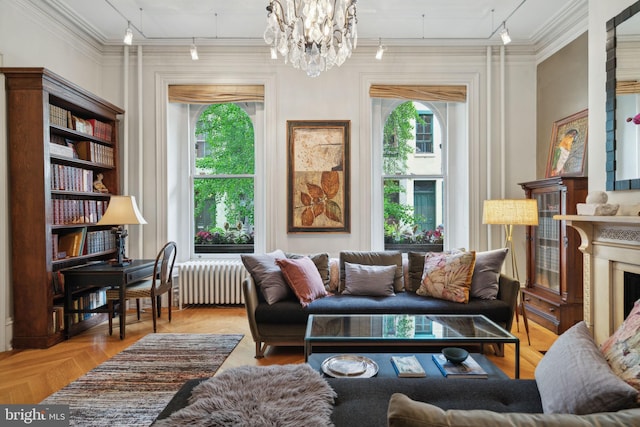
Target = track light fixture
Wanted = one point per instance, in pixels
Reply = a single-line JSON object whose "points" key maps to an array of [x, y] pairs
{"points": [[194, 50], [380, 51], [504, 34], [128, 35]]}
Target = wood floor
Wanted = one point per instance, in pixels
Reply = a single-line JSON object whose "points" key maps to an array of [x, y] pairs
{"points": [[28, 376]]}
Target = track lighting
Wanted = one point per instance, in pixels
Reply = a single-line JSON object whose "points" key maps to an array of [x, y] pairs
{"points": [[194, 50], [504, 35], [128, 35], [380, 51]]}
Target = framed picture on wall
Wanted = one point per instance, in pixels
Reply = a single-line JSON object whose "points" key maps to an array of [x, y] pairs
{"points": [[318, 176], [568, 148]]}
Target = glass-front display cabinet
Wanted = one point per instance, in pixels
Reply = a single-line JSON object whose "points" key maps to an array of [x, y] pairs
{"points": [[553, 292]]}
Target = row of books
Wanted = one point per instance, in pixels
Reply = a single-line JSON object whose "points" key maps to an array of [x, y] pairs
{"points": [[410, 367], [548, 258], [59, 116], [94, 152], [58, 319], [88, 302], [71, 178], [76, 211], [548, 228], [77, 243]]}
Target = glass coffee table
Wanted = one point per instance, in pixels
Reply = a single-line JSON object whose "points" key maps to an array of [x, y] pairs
{"points": [[386, 331]]}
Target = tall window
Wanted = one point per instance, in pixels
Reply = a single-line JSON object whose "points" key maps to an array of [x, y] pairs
{"points": [[412, 183], [223, 185]]}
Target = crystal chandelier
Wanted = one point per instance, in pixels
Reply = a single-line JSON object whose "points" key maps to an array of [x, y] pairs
{"points": [[313, 35]]}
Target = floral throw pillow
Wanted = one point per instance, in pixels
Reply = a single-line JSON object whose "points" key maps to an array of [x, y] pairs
{"points": [[622, 349], [447, 275]]}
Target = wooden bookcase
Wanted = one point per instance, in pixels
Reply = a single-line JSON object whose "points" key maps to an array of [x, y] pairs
{"points": [[50, 120], [553, 292]]}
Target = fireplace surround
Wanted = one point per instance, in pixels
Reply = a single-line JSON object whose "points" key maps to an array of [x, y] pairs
{"points": [[611, 251]]}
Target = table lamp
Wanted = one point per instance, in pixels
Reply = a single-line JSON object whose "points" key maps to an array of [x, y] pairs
{"points": [[510, 212], [122, 210]]}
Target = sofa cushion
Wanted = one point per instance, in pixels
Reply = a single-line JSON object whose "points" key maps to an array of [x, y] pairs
{"points": [[622, 349], [373, 258], [321, 260], [302, 276], [447, 275], [372, 280], [405, 412], [486, 272], [574, 377], [364, 401], [267, 275]]}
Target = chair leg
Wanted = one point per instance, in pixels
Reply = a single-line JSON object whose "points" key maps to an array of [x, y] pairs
{"points": [[138, 307], [169, 307], [153, 312], [159, 305], [110, 314], [524, 317]]}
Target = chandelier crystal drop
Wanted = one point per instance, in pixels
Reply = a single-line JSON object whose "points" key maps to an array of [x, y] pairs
{"points": [[313, 35]]}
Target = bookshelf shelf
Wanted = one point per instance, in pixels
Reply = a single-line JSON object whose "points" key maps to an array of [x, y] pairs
{"points": [[553, 295], [51, 194]]}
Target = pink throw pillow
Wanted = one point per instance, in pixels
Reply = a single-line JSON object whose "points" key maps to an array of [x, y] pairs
{"points": [[622, 349], [447, 275], [302, 276]]}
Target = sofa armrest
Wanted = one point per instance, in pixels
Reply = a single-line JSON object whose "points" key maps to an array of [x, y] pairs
{"points": [[508, 291], [251, 302]]}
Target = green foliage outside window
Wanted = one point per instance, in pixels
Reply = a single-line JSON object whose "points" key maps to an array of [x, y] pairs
{"points": [[228, 134]]}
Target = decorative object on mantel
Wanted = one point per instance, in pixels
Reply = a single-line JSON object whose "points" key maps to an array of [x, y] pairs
{"points": [[629, 210], [313, 35], [596, 204]]}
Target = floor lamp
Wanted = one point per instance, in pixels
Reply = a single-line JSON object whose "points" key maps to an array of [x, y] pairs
{"points": [[120, 211], [509, 213]]}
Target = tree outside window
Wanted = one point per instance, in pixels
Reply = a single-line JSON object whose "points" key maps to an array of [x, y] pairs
{"points": [[412, 184], [223, 187]]}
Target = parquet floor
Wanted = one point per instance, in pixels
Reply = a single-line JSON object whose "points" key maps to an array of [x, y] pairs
{"points": [[28, 376]]}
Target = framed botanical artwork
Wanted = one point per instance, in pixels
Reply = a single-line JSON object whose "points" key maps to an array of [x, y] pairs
{"points": [[318, 176], [568, 148]]}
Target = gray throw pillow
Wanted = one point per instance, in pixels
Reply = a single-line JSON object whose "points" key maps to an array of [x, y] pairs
{"points": [[574, 377], [486, 273], [371, 280], [267, 275], [374, 258]]}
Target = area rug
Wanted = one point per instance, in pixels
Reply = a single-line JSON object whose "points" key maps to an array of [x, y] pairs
{"points": [[133, 387], [283, 396]]}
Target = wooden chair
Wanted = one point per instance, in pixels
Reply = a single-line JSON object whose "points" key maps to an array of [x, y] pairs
{"points": [[161, 282]]}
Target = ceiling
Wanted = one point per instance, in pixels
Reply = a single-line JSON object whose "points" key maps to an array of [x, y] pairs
{"points": [[396, 22]]}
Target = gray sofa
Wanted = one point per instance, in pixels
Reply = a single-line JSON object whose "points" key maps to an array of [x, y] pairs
{"points": [[284, 322]]}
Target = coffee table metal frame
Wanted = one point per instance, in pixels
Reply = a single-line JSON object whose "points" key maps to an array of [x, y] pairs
{"points": [[351, 330]]}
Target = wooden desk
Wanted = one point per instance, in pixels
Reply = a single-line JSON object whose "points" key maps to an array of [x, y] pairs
{"points": [[102, 275]]}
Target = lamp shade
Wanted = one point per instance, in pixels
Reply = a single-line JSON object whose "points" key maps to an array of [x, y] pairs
{"points": [[122, 210], [510, 212]]}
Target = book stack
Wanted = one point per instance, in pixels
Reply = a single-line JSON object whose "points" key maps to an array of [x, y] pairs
{"points": [[57, 116], [467, 369], [408, 366]]}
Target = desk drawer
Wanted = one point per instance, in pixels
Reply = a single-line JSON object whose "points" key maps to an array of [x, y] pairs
{"points": [[140, 274]]}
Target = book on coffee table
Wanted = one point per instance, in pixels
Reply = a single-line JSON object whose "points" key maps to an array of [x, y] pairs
{"points": [[467, 369], [408, 366]]}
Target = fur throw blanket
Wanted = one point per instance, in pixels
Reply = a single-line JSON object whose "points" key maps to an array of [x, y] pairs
{"points": [[278, 395]]}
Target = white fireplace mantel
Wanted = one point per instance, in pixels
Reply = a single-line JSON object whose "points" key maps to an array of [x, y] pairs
{"points": [[610, 246]]}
